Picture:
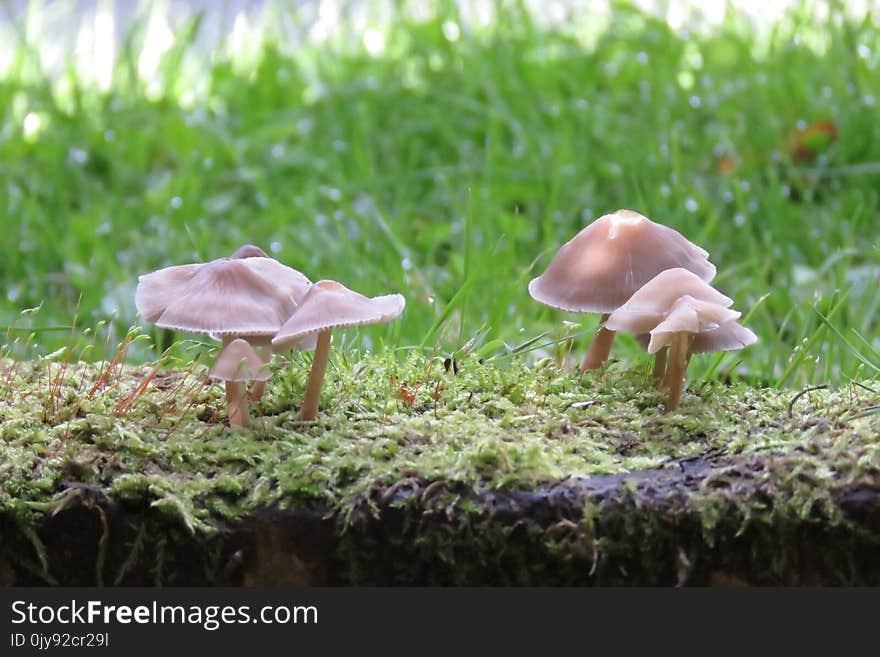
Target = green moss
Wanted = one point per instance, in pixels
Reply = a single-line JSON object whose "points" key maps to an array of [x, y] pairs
{"points": [[398, 428]]}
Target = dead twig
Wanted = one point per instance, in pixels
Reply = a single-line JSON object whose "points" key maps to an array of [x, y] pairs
{"points": [[801, 394]]}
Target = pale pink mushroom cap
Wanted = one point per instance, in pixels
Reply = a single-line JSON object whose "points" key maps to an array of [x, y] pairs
{"points": [[604, 264], [286, 279], [154, 289], [691, 316], [239, 362], [248, 251], [731, 336], [697, 318], [330, 305], [651, 303], [249, 296]]}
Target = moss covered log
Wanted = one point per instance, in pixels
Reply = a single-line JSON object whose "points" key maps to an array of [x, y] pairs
{"points": [[416, 474]]}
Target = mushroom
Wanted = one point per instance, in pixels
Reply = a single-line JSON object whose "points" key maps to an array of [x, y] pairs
{"points": [[695, 326], [237, 364], [651, 303], [326, 306], [606, 262], [248, 296]]}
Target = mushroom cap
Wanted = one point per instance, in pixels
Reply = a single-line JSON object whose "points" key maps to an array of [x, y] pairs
{"points": [[230, 296], [255, 341], [330, 305], [287, 279], [239, 362], [604, 264], [731, 336], [692, 316], [652, 302], [248, 251], [711, 327], [153, 290]]}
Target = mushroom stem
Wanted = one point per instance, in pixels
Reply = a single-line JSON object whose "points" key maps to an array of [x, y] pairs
{"points": [[258, 388], [599, 349], [309, 408], [236, 403], [659, 366], [676, 368]]}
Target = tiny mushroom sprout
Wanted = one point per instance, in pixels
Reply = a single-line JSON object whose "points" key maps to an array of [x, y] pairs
{"points": [[601, 267], [237, 364], [326, 306], [247, 296]]}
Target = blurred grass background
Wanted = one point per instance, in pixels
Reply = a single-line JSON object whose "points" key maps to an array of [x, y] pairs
{"points": [[447, 158]]}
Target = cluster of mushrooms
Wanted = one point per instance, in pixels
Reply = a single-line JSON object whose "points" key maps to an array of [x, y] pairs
{"points": [[649, 280], [641, 276], [256, 306]]}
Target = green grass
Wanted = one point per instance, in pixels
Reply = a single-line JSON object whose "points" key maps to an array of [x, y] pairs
{"points": [[451, 171]]}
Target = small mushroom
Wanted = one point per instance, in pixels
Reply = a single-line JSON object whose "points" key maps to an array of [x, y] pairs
{"points": [[246, 296], [326, 306], [691, 326], [695, 326], [262, 346], [237, 364], [602, 266], [650, 304]]}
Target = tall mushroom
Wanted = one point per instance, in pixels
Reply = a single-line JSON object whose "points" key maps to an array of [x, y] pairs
{"points": [[247, 297], [237, 364], [606, 262], [326, 306]]}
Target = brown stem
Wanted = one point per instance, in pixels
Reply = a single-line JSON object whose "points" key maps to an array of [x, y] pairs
{"points": [[666, 383], [599, 349], [236, 403], [309, 408], [659, 366], [676, 368]]}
